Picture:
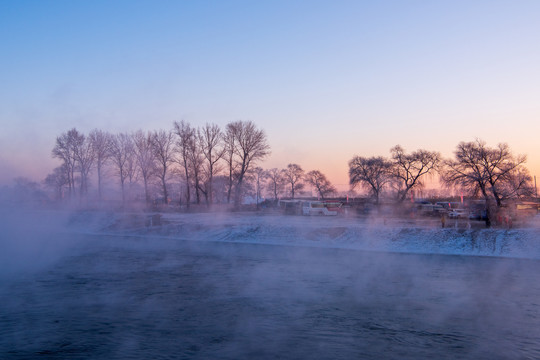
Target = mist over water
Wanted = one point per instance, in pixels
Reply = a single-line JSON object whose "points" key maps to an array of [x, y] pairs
{"points": [[31, 239], [140, 298]]}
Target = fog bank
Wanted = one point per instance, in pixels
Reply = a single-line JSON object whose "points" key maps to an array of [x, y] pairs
{"points": [[31, 239]]}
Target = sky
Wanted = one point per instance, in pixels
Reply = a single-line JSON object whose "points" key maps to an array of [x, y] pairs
{"points": [[326, 80]]}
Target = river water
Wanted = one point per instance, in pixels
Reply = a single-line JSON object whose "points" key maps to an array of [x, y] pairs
{"points": [[135, 298]]}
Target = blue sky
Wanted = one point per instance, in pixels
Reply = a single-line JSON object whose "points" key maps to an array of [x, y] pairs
{"points": [[326, 80]]}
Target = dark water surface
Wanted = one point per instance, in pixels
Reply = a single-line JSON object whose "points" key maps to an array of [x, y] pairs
{"points": [[129, 298]]}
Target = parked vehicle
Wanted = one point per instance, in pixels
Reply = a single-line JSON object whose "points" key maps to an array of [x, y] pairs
{"points": [[429, 209], [320, 208], [458, 213]]}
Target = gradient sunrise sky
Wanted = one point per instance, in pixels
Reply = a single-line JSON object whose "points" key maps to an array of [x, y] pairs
{"points": [[326, 80]]}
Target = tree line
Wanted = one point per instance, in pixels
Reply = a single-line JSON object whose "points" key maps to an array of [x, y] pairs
{"points": [[213, 165], [492, 173]]}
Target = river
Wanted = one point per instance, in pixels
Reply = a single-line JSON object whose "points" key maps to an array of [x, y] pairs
{"points": [[142, 298]]}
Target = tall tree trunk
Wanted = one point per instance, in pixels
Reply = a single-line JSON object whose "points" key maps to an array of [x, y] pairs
{"points": [[123, 193], [238, 192], [146, 190], [210, 191], [197, 189], [99, 180], [229, 190], [165, 193]]}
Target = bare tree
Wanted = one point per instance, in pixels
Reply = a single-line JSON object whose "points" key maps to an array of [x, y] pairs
{"points": [[276, 182], [132, 170], [122, 155], [250, 145], [220, 188], [517, 185], [186, 137], [57, 180], [321, 184], [100, 143], [228, 155], [142, 145], [26, 191], [196, 159], [64, 150], [409, 169], [492, 172], [260, 176], [84, 157], [294, 175], [163, 148], [212, 147], [371, 173]]}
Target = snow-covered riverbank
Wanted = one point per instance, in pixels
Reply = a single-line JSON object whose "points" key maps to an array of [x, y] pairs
{"points": [[394, 235]]}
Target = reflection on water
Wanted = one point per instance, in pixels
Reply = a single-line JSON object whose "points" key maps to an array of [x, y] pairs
{"points": [[129, 298]]}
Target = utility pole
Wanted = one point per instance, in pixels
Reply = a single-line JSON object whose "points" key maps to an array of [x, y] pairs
{"points": [[536, 195], [535, 190]]}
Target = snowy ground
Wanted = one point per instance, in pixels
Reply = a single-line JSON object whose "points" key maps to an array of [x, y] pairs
{"points": [[361, 233]]}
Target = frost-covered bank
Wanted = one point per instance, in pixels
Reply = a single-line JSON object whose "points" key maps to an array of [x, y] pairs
{"points": [[352, 233]]}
